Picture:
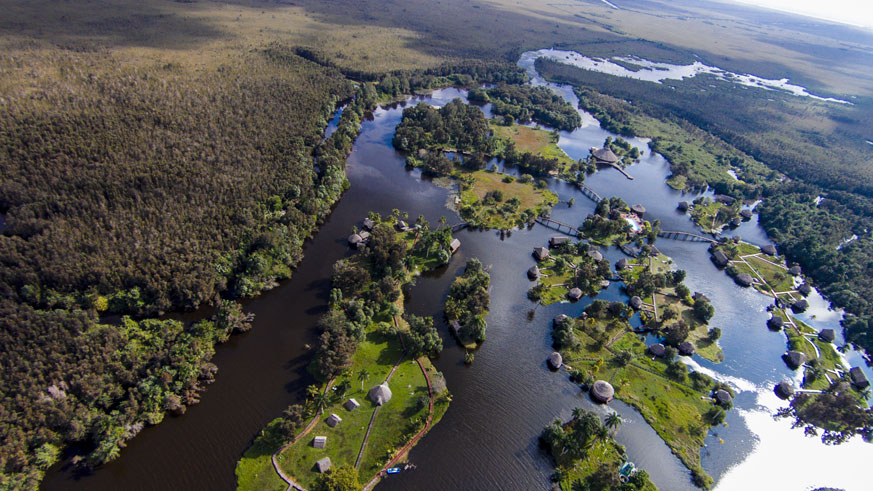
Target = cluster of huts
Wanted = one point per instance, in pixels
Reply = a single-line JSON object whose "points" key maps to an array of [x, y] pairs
{"points": [[542, 253], [379, 395], [359, 239]]}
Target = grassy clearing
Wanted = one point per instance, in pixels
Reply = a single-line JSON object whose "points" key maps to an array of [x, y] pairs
{"points": [[698, 333], [532, 140], [255, 469], [676, 411], [712, 216], [520, 202], [776, 276]]}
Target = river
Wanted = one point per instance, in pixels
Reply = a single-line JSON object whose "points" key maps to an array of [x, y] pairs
{"points": [[488, 438]]}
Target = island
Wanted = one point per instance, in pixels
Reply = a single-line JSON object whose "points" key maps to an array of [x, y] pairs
{"points": [[378, 392], [467, 305]]}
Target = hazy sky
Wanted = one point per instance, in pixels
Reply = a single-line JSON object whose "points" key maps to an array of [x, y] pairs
{"points": [[854, 12]]}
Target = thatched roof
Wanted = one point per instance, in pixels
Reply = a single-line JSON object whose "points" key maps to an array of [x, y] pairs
{"points": [[323, 465], [602, 391], [686, 348], [746, 214], [575, 294], [827, 335], [805, 289], [365, 236], [769, 250], [333, 420], [380, 394], [595, 254], [795, 270], [657, 349], [401, 225], [540, 253], [555, 360], [744, 280], [355, 240], [858, 377], [800, 305], [455, 326], [319, 441], [640, 210], [784, 390], [683, 206], [605, 155], [351, 405], [723, 198], [558, 240], [455, 245], [559, 319], [775, 322], [794, 359], [604, 283], [736, 222], [368, 224], [622, 264], [533, 273], [636, 302], [722, 396], [720, 258]]}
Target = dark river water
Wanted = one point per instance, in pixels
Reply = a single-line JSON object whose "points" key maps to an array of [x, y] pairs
{"points": [[488, 437]]}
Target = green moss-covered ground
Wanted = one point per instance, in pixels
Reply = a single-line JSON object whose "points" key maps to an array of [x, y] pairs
{"points": [[494, 200]]}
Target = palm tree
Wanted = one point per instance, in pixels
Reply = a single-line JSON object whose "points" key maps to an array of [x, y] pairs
{"points": [[601, 434], [362, 376], [312, 391], [320, 402], [613, 421], [578, 412], [343, 387]]}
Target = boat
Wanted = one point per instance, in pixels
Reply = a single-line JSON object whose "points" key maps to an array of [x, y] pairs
{"points": [[393, 470]]}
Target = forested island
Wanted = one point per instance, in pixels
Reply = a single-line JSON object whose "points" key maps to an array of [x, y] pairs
{"points": [[467, 305]]}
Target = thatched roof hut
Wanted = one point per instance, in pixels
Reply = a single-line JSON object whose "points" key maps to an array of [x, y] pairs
{"points": [[724, 199], [622, 264], [319, 442], [380, 394], [640, 210], [795, 270], [827, 335], [604, 283], [351, 405], [657, 349], [858, 378], [800, 305], [736, 222], [775, 323], [636, 302], [533, 273], [784, 390], [369, 224], [559, 319], [595, 254], [355, 241], [686, 348], [455, 326], [555, 360], [722, 397], [558, 240], [333, 420], [794, 359], [769, 250], [540, 253], [744, 280], [720, 259], [323, 465], [746, 214], [402, 226], [683, 206], [455, 245], [602, 391], [604, 155], [574, 294], [805, 289]]}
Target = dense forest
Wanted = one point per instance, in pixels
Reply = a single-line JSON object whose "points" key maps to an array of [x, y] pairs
{"points": [[525, 103], [820, 218], [468, 301]]}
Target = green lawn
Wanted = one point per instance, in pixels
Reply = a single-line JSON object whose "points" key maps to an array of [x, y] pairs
{"points": [[777, 277], [712, 216], [532, 140], [254, 471], [521, 202]]}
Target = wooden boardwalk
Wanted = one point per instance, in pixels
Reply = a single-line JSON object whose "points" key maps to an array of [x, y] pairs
{"points": [[589, 193], [559, 226], [688, 236]]}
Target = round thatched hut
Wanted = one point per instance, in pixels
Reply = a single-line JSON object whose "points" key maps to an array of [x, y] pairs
{"points": [[657, 349], [559, 319], [800, 305], [380, 394], [636, 302], [746, 214], [784, 390], [574, 294], [795, 270], [736, 222], [555, 360], [794, 359], [827, 335], [355, 241], [805, 289], [686, 348], [602, 391], [775, 323], [622, 264], [640, 210], [533, 273], [722, 397], [683, 206], [595, 254], [744, 280], [769, 250], [604, 155]]}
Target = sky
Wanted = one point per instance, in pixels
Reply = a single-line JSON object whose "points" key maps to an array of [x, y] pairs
{"points": [[854, 12]]}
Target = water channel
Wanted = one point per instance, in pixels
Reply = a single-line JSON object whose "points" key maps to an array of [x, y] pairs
{"points": [[488, 438]]}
